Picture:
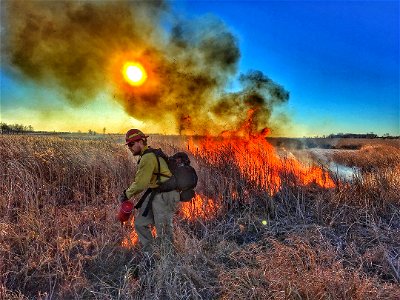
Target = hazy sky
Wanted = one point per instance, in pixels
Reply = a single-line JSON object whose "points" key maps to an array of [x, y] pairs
{"points": [[339, 61]]}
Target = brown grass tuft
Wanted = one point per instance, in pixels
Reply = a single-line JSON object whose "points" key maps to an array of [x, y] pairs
{"points": [[59, 238]]}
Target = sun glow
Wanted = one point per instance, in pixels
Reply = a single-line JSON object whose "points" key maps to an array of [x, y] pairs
{"points": [[134, 73]]}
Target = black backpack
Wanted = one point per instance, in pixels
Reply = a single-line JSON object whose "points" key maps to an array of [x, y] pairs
{"points": [[184, 178]]}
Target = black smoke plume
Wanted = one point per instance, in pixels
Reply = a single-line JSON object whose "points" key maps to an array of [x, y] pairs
{"points": [[78, 48]]}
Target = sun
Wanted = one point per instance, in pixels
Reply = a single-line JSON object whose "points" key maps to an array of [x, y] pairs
{"points": [[134, 73]]}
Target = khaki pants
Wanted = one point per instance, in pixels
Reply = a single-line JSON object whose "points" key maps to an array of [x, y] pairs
{"points": [[162, 211]]}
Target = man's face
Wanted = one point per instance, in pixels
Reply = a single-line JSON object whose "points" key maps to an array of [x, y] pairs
{"points": [[135, 147]]}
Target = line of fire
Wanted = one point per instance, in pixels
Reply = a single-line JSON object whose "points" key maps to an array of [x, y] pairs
{"points": [[258, 169]]}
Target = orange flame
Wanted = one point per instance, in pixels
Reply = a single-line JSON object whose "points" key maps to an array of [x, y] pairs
{"points": [[256, 159], [132, 238], [199, 208]]}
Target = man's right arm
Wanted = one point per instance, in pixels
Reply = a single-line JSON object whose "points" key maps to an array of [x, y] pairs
{"points": [[143, 175]]}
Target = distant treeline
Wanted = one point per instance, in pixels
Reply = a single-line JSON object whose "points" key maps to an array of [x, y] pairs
{"points": [[20, 129], [370, 135], [353, 136], [15, 128]]}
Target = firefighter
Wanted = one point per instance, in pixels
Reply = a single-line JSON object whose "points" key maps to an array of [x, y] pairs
{"points": [[163, 205]]}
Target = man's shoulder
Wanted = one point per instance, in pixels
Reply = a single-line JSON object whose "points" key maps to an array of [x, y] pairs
{"points": [[156, 153], [148, 156]]}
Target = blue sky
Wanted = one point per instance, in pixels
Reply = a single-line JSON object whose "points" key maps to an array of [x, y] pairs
{"points": [[338, 59]]}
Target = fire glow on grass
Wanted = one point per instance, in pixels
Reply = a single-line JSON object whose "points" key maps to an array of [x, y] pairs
{"points": [[199, 208], [257, 160], [131, 239]]}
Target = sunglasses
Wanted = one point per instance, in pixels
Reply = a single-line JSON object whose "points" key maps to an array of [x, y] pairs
{"points": [[131, 144]]}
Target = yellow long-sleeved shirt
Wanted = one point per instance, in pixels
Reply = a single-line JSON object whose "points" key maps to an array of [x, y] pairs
{"points": [[145, 177]]}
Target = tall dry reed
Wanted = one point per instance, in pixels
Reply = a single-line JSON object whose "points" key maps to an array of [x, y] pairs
{"points": [[59, 238]]}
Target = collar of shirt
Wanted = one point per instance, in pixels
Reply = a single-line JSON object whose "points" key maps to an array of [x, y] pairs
{"points": [[144, 149]]}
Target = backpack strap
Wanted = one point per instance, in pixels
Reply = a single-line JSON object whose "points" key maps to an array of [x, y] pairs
{"points": [[163, 175], [148, 206], [159, 170], [140, 202], [151, 150], [150, 191]]}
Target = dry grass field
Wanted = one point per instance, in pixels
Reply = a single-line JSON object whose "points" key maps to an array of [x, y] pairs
{"points": [[264, 225]]}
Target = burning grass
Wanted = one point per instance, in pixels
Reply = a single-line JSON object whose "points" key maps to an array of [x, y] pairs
{"points": [[323, 237], [259, 163]]}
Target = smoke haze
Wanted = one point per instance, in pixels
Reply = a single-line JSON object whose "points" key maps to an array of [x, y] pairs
{"points": [[79, 48]]}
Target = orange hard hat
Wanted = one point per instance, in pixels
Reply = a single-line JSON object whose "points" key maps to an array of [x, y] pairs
{"points": [[134, 135]]}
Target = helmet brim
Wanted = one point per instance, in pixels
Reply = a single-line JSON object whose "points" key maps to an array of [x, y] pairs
{"points": [[136, 138]]}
